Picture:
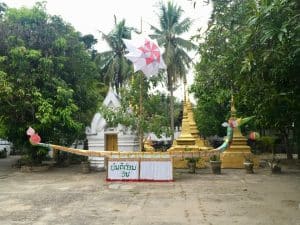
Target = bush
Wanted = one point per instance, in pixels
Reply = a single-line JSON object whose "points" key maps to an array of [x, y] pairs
{"points": [[266, 144], [215, 141], [24, 160], [192, 160], [35, 155], [15, 151], [215, 158]]}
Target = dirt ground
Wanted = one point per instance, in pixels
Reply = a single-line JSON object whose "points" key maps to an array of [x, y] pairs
{"points": [[66, 196]]}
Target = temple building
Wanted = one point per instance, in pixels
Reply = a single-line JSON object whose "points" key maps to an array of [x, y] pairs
{"points": [[102, 137]]}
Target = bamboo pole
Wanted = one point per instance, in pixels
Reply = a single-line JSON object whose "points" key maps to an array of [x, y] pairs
{"points": [[173, 154]]}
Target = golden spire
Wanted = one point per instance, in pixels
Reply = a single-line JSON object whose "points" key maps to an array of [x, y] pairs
{"points": [[185, 138], [189, 136], [185, 92]]}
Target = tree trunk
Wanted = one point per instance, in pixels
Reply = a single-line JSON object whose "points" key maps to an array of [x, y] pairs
{"points": [[170, 86], [286, 144], [172, 115], [141, 133], [117, 87]]}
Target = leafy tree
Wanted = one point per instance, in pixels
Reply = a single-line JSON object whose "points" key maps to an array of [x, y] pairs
{"points": [[176, 58], [251, 49], [154, 117], [48, 79], [89, 41], [113, 64]]}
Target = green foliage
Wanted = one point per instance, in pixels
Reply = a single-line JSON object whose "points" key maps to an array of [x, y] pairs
{"points": [[154, 117], [37, 155], [215, 158], [251, 49], [209, 115], [115, 68], [48, 79], [192, 160], [33, 156], [266, 143]]}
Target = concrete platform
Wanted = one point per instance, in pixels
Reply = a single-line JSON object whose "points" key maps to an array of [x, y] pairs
{"points": [[66, 196]]}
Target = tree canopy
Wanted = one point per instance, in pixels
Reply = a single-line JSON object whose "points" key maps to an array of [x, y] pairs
{"points": [[115, 68], [251, 50], [48, 79]]}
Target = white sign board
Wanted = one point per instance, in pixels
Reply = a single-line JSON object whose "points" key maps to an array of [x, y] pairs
{"points": [[156, 170], [122, 170]]}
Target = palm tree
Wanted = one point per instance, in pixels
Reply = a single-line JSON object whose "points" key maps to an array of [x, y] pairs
{"points": [[175, 55], [114, 66]]}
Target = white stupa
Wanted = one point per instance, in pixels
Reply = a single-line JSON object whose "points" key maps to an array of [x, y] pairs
{"points": [[101, 137]]}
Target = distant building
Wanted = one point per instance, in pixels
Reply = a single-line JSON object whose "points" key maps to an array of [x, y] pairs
{"points": [[4, 144]]}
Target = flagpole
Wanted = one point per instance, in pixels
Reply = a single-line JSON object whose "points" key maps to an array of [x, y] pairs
{"points": [[141, 133], [146, 56]]}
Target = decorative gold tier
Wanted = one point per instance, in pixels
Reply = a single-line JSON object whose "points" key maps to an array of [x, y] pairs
{"points": [[183, 164], [148, 146], [234, 156], [193, 126], [233, 160]]}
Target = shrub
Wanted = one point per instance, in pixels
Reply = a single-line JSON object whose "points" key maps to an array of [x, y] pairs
{"points": [[266, 143], [192, 160], [215, 158], [35, 155]]}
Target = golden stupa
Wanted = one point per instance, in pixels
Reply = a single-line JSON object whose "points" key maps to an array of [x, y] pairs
{"points": [[189, 139], [235, 155]]}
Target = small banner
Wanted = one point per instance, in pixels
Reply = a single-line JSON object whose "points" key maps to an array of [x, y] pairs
{"points": [[122, 170], [139, 169], [156, 170]]}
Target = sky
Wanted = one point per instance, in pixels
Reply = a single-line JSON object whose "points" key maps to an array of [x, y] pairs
{"points": [[92, 16]]}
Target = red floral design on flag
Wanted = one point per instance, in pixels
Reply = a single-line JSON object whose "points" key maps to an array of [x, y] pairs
{"points": [[151, 52], [145, 55]]}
